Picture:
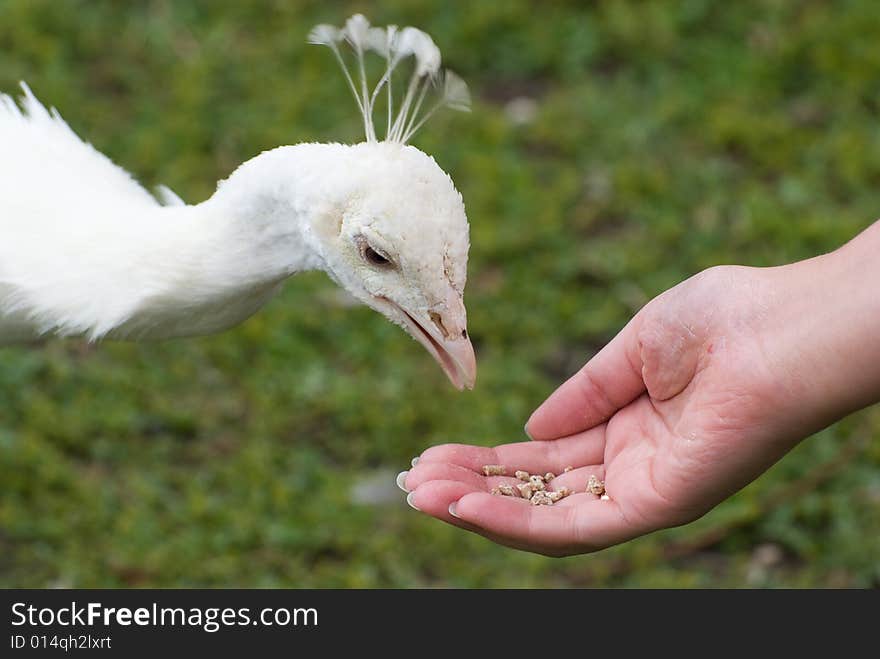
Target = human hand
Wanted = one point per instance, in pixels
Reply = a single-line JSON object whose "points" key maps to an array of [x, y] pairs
{"points": [[708, 385]]}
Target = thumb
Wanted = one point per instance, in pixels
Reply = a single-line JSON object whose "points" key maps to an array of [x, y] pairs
{"points": [[610, 380]]}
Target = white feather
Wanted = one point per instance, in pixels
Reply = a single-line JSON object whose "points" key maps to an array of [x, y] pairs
{"points": [[357, 31], [455, 92], [394, 45], [419, 44], [84, 249], [324, 35], [38, 146], [168, 197], [382, 40]]}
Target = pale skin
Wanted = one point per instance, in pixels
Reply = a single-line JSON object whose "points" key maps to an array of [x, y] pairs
{"points": [[701, 392]]}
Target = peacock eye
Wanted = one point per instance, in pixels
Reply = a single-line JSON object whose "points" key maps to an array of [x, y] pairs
{"points": [[371, 255], [374, 257]]}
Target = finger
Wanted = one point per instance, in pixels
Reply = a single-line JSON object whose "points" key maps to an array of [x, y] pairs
{"points": [[535, 457], [434, 498], [555, 530], [610, 380], [445, 471]]}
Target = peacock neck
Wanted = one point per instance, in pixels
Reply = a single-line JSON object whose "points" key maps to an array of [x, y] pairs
{"points": [[216, 263]]}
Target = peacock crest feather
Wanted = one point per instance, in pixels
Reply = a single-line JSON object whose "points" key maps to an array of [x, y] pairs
{"points": [[394, 45]]}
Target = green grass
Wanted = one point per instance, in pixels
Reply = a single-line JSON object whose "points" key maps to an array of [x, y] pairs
{"points": [[669, 137]]}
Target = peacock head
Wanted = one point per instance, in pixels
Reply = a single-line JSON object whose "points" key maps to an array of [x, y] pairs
{"points": [[400, 242]]}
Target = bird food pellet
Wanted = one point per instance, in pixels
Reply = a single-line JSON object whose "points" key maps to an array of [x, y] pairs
{"points": [[541, 499], [533, 488], [567, 469], [554, 496], [506, 490], [595, 486]]}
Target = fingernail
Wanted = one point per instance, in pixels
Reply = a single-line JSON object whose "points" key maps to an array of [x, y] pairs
{"points": [[409, 500], [401, 480], [452, 510], [526, 431], [414, 462]]}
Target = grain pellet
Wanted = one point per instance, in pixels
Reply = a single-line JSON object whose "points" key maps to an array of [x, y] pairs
{"points": [[508, 490], [533, 488], [541, 499], [505, 490], [525, 490], [494, 470], [595, 486]]}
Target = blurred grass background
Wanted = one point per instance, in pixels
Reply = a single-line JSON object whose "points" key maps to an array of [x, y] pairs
{"points": [[614, 149]]}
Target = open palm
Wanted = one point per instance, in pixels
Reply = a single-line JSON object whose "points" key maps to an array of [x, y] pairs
{"points": [[689, 403]]}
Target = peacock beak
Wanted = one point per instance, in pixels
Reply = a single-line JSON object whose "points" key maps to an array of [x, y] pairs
{"points": [[443, 333]]}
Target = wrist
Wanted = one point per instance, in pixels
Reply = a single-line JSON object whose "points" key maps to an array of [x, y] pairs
{"points": [[828, 329]]}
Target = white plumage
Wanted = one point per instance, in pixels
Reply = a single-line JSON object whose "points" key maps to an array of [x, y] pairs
{"points": [[85, 250]]}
